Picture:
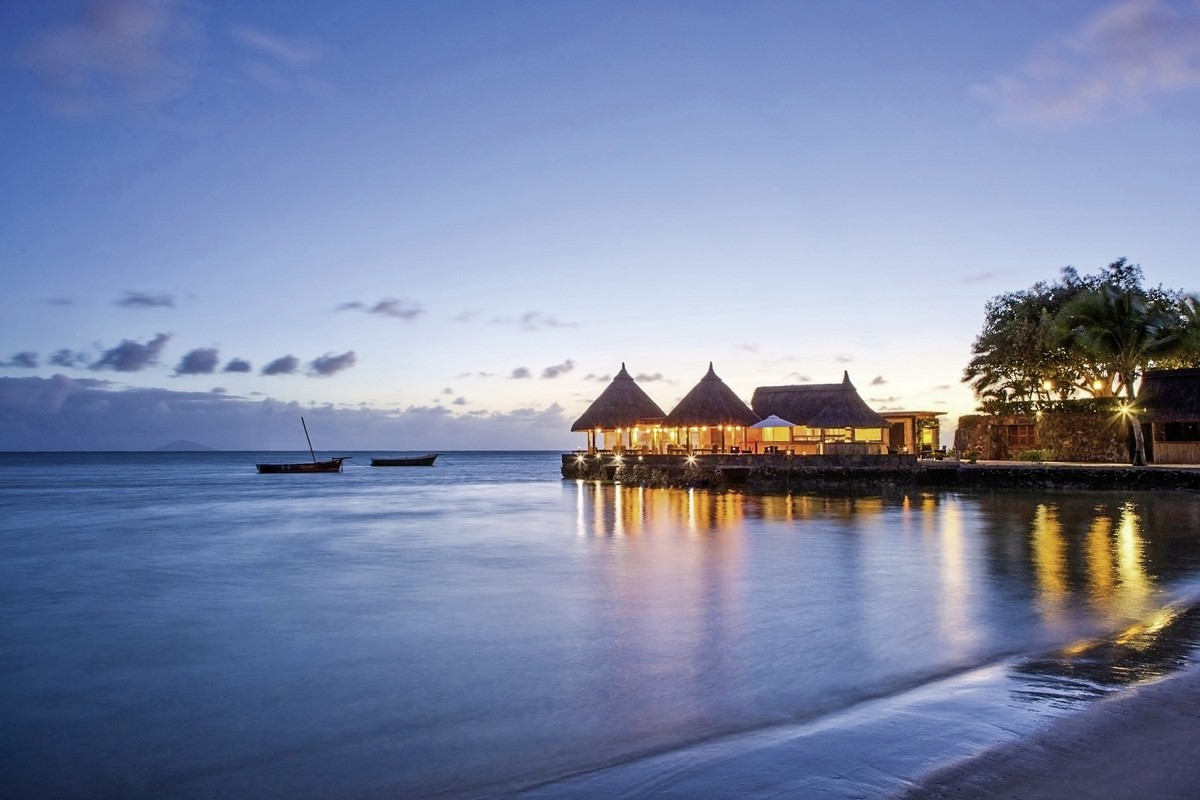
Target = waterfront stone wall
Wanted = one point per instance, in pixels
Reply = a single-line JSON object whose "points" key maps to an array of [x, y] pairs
{"points": [[1090, 437], [1097, 437], [1026, 476], [877, 474]]}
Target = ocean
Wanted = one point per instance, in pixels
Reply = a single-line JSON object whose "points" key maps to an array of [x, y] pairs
{"points": [[176, 625]]}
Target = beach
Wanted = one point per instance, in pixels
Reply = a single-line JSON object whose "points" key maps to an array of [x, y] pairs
{"points": [[1141, 743]]}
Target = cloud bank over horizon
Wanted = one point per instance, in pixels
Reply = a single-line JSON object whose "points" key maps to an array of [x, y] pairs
{"points": [[61, 413]]}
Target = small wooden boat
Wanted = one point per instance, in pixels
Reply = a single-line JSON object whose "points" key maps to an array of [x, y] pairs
{"points": [[329, 465], [405, 461], [332, 465]]}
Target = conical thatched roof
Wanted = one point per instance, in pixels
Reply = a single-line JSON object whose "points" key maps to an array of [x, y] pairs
{"points": [[622, 404], [817, 405], [711, 402], [1170, 395]]}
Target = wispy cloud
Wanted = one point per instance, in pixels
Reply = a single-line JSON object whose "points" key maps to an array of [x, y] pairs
{"points": [[878, 380], [131, 356], [557, 370], [237, 365], [1120, 59], [280, 63], [649, 377], [288, 50], [981, 277], [144, 300], [521, 373], [406, 310], [329, 364], [69, 358], [118, 52], [534, 321], [25, 359]]}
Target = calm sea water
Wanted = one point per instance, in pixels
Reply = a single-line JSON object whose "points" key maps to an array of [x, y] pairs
{"points": [[176, 625]]}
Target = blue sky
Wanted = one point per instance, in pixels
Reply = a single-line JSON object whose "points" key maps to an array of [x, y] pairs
{"points": [[447, 224]]}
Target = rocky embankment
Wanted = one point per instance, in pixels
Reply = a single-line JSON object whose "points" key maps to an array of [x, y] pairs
{"points": [[812, 474]]}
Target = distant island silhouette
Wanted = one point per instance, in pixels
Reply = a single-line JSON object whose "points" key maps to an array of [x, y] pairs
{"points": [[182, 445]]}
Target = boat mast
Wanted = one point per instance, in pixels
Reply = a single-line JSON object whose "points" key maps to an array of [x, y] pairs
{"points": [[314, 455]]}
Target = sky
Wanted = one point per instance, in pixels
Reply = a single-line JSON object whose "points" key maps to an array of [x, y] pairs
{"points": [[446, 225]]}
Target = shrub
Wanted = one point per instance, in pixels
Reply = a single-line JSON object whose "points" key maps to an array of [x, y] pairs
{"points": [[1037, 456]]}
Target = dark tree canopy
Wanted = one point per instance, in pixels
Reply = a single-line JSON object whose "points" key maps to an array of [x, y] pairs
{"points": [[1027, 351]]}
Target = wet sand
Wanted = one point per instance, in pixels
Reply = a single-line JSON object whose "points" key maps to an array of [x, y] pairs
{"points": [[1142, 743]]}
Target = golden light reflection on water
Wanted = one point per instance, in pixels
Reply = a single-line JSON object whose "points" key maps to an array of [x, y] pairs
{"points": [[954, 606], [604, 509], [1108, 558], [1080, 554], [1049, 561]]}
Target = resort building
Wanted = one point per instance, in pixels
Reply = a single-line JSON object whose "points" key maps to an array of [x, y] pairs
{"points": [[623, 417], [806, 419], [823, 419], [916, 432], [1169, 405], [1097, 430], [709, 419]]}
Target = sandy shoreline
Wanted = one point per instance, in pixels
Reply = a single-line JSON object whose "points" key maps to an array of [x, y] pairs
{"points": [[1141, 743]]}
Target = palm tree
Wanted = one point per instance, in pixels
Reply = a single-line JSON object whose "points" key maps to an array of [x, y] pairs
{"points": [[1124, 332]]}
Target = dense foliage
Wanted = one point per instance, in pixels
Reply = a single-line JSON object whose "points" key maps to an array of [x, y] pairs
{"points": [[1080, 336]]}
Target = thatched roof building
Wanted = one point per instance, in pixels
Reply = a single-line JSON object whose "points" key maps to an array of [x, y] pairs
{"points": [[711, 402], [1170, 395], [817, 405], [623, 404]]}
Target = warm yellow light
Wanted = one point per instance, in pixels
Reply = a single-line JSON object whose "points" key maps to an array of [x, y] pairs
{"points": [[691, 459], [1047, 385], [1097, 384]]}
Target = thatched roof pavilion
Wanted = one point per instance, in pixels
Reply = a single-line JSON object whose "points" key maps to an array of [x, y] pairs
{"points": [[711, 402], [623, 404], [1170, 395], [817, 405]]}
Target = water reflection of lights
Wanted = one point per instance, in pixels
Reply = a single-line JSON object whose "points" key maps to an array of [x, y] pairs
{"points": [[954, 602], [1150, 649], [1049, 560], [1135, 584], [1105, 549], [605, 509]]}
